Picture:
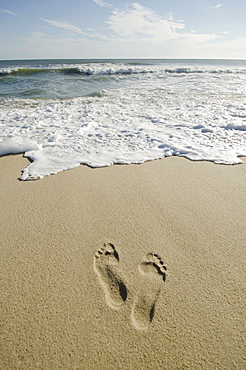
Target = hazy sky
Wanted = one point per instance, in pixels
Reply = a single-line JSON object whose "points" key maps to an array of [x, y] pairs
{"points": [[122, 29]]}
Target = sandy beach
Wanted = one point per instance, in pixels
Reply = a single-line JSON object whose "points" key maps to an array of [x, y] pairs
{"points": [[130, 267]]}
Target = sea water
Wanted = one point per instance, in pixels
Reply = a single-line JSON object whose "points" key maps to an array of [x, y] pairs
{"points": [[62, 113]]}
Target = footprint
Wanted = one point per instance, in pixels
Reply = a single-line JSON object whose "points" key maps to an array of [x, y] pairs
{"points": [[143, 309], [106, 265]]}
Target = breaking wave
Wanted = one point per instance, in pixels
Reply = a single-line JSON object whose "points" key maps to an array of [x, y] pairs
{"points": [[114, 69]]}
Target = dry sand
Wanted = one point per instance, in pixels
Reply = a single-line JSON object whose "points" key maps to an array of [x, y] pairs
{"points": [[131, 267]]}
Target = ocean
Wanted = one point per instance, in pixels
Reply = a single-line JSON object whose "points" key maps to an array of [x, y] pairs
{"points": [[63, 113]]}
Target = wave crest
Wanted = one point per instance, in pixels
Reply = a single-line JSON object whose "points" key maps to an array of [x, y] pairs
{"points": [[95, 69]]}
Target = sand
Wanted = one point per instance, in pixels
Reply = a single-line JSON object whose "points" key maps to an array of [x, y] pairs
{"points": [[130, 267]]}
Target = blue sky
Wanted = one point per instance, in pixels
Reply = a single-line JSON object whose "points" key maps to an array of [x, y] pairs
{"points": [[31, 29]]}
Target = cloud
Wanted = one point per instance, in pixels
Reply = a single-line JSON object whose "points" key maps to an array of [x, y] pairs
{"points": [[64, 25], [38, 34], [49, 47], [218, 6], [137, 23], [8, 12], [101, 3]]}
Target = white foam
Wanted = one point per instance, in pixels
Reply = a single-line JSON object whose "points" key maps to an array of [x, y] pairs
{"points": [[17, 144], [8, 70]]}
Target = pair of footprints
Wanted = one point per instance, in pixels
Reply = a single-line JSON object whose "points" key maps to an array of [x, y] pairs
{"points": [[106, 265]]}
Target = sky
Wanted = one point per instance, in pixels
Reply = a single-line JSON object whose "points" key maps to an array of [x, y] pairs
{"points": [[104, 29]]}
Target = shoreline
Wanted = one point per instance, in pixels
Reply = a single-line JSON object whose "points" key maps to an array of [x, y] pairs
{"points": [[56, 298]]}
